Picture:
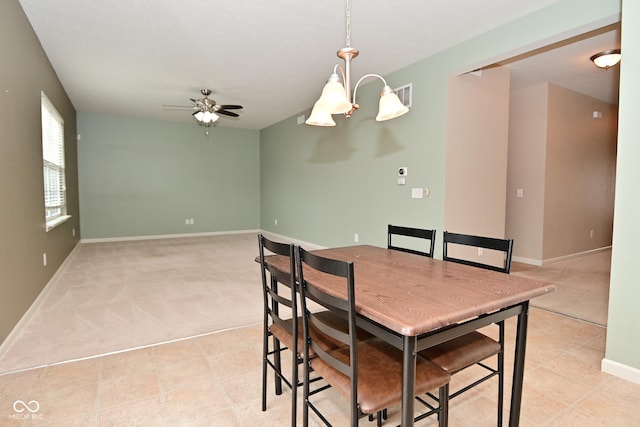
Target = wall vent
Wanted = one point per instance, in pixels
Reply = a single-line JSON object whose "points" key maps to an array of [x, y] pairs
{"points": [[404, 93]]}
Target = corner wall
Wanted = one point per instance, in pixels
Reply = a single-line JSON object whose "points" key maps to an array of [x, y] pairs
{"points": [[476, 160], [564, 161], [580, 174], [528, 111]]}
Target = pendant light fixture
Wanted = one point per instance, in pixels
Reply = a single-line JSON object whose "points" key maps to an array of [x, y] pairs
{"points": [[607, 58], [336, 97]]}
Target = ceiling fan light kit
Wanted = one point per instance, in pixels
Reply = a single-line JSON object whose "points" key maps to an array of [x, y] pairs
{"points": [[607, 58], [206, 117], [336, 97], [207, 111]]}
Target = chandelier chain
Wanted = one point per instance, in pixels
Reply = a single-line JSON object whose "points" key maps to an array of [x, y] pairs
{"points": [[348, 40]]}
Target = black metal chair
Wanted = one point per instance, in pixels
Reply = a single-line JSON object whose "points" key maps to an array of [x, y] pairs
{"points": [[280, 308], [502, 245], [474, 348], [411, 232], [367, 373], [280, 305]]}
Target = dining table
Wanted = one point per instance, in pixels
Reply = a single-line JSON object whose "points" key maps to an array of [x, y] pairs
{"points": [[415, 302]]}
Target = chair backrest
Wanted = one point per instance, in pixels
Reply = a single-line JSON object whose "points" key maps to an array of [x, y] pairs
{"points": [[274, 297], [495, 244], [339, 273], [417, 233]]}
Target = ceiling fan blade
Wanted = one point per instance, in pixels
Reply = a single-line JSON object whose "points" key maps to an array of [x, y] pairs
{"points": [[230, 107], [227, 113], [171, 106]]}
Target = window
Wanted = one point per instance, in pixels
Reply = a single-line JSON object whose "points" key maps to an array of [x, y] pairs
{"points": [[55, 200]]}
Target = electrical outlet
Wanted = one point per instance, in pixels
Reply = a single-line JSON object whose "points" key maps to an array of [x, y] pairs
{"points": [[276, 221], [356, 237], [480, 252]]}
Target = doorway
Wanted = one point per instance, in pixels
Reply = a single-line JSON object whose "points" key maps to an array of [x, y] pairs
{"points": [[567, 251]]}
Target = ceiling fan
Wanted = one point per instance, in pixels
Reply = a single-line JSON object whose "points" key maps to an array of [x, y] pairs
{"points": [[207, 112]]}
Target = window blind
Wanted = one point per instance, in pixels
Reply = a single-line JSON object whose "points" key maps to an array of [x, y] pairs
{"points": [[53, 161]]}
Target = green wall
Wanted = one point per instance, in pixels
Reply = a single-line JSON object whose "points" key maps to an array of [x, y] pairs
{"points": [[324, 185], [623, 333], [342, 180], [144, 178]]}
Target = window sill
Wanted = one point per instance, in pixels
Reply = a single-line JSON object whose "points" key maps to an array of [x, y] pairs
{"points": [[56, 222]]}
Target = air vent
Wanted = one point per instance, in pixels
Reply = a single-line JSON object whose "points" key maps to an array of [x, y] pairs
{"points": [[404, 93]]}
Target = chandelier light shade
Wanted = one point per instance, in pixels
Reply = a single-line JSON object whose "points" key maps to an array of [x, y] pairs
{"points": [[390, 105], [320, 117], [336, 97], [607, 58]]}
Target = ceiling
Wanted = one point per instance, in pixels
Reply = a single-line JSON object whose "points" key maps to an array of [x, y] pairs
{"points": [[131, 58], [567, 64]]}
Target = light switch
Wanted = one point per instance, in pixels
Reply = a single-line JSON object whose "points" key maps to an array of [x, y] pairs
{"points": [[519, 193], [402, 181], [416, 193]]}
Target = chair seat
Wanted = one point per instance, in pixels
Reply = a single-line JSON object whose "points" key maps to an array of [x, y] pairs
{"points": [[462, 352], [379, 375], [284, 336]]}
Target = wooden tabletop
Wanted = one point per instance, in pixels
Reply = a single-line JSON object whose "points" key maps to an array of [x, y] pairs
{"points": [[412, 294]]}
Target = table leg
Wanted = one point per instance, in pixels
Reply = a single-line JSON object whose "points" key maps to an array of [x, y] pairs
{"points": [[408, 379], [518, 366]]}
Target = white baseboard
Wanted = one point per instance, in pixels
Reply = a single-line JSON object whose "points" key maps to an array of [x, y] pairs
{"points": [[166, 236], [619, 370], [281, 238], [541, 262], [8, 342], [529, 261], [576, 255]]}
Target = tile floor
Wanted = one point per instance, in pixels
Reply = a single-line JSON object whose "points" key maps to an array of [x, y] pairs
{"points": [[214, 380]]}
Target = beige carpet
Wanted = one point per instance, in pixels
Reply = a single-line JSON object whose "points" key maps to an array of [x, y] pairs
{"points": [[582, 286], [111, 297], [115, 296]]}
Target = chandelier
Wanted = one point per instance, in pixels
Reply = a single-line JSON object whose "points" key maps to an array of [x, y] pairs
{"points": [[337, 98]]}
